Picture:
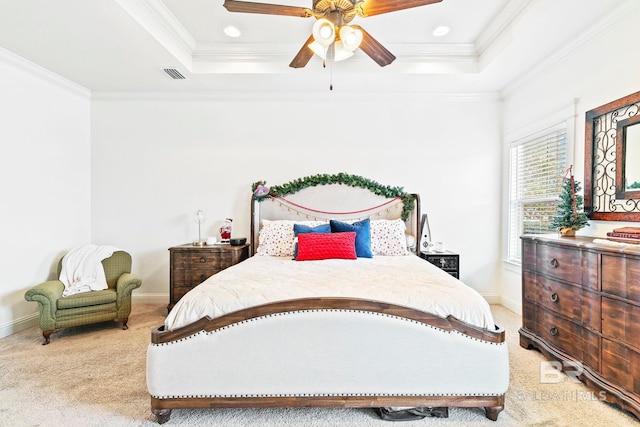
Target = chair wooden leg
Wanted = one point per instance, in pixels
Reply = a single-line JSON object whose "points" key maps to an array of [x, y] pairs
{"points": [[124, 323], [47, 334]]}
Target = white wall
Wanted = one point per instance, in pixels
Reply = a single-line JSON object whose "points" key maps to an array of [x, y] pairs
{"points": [[604, 68], [157, 160], [45, 175]]}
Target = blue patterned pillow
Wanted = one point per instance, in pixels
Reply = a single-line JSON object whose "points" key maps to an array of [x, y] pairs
{"points": [[304, 229], [363, 235]]}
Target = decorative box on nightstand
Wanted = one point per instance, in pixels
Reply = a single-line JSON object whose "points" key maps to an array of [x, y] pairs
{"points": [[191, 265], [447, 261]]}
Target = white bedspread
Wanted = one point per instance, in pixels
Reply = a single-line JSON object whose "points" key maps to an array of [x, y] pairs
{"points": [[403, 280]]}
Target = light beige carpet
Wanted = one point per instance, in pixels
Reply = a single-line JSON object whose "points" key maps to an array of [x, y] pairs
{"points": [[95, 376]]}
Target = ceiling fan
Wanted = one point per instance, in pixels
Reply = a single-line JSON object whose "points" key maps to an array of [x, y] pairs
{"points": [[332, 37]]}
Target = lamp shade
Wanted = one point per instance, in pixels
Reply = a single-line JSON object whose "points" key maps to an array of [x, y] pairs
{"points": [[324, 32], [341, 53], [318, 49], [350, 37]]}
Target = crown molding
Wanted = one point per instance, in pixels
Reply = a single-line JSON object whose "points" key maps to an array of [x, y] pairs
{"points": [[499, 29], [163, 26], [43, 74], [300, 96], [625, 11]]}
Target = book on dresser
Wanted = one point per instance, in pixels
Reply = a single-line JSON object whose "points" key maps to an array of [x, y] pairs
{"points": [[581, 307], [625, 235]]}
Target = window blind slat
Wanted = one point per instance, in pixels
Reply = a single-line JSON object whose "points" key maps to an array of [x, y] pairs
{"points": [[537, 171]]}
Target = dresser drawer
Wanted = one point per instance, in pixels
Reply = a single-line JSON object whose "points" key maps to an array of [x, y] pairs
{"points": [[193, 276], [560, 263], [620, 321], [561, 333], [560, 298], [621, 276], [178, 292], [194, 259], [621, 365]]}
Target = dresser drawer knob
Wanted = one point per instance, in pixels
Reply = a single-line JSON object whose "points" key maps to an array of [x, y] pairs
{"points": [[554, 297], [553, 331], [203, 259], [202, 278], [553, 263]]}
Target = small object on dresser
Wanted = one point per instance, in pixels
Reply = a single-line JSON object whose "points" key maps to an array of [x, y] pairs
{"points": [[199, 217], [225, 231], [237, 241], [625, 235]]}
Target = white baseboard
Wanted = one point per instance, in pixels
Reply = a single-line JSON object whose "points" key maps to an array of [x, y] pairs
{"points": [[137, 298], [515, 306], [18, 325], [492, 298]]}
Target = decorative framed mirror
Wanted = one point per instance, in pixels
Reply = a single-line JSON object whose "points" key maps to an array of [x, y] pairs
{"points": [[612, 160]]}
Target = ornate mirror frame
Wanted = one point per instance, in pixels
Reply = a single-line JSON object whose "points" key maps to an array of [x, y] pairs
{"points": [[605, 196]]}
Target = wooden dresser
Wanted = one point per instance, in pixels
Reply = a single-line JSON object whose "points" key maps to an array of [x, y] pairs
{"points": [[191, 265], [581, 307]]}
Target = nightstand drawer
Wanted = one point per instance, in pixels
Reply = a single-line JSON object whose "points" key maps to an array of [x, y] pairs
{"points": [[193, 276], [197, 259], [447, 261]]}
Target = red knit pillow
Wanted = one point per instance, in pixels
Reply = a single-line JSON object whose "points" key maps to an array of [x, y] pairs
{"points": [[316, 246]]}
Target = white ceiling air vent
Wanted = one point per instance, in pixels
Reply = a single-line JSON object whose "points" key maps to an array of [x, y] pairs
{"points": [[173, 73]]}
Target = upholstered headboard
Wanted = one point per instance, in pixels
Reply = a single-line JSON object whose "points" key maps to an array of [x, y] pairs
{"points": [[333, 201]]}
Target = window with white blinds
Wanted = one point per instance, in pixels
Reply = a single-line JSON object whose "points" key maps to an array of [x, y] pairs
{"points": [[538, 165]]}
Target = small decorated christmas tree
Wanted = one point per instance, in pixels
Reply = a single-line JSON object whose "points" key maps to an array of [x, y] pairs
{"points": [[569, 215]]}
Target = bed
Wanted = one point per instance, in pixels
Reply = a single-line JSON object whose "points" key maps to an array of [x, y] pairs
{"points": [[330, 329]]}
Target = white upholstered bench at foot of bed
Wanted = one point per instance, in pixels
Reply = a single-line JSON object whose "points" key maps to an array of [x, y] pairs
{"points": [[327, 358]]}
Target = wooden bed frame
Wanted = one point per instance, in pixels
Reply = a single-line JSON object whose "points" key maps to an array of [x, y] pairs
{"points": [[180, 377]]}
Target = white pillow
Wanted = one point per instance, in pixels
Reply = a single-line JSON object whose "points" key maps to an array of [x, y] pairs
{"points": [[388, 237], [276, 238]]}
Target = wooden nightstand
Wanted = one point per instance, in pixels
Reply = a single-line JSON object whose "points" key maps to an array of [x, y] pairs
{"points": [[447, 261], [191, 265]]}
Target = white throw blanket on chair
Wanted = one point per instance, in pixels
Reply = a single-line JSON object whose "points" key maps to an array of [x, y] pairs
{"points": [[82, 269]]}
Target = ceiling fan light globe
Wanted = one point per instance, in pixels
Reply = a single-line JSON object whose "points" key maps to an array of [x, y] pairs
{"points": [[341, 53], [318, 49], [324, 32], [351, 37]]}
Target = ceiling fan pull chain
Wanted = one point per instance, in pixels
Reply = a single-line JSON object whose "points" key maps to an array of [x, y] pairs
{"points": [[331, 54]]}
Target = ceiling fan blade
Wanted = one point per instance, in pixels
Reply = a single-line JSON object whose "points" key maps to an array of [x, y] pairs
{"points": [[374, 49], [304, 54], [377, 7], [266, 8]]}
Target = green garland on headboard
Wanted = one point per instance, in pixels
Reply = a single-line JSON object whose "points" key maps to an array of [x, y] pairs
{"points": [[261, 191]]}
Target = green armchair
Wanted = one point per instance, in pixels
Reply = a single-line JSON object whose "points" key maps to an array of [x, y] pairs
{"points": [[114, 303]]}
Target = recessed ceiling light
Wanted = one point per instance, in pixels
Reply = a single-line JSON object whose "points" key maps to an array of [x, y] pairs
{"points": [[232, 31], [442, 30]]}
